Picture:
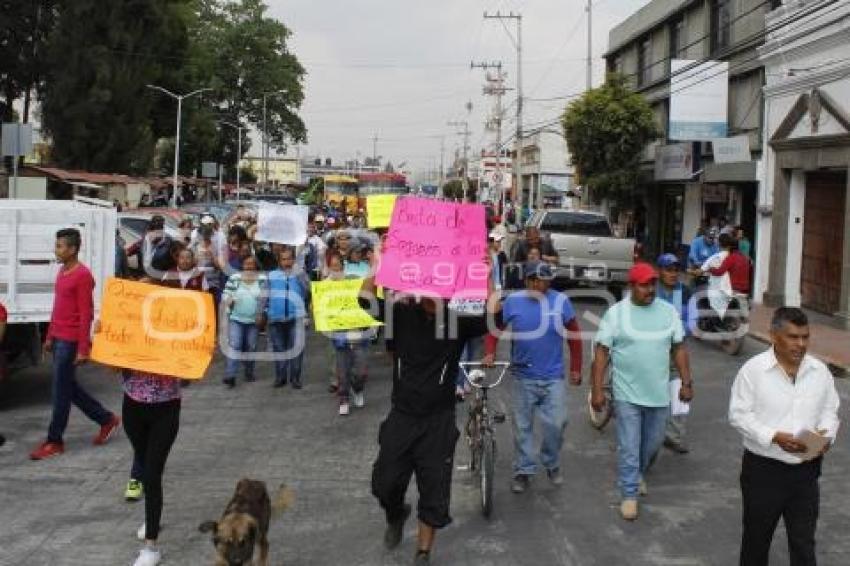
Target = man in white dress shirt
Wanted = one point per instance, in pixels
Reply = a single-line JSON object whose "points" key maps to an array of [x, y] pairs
{"points": [[778, 395]]}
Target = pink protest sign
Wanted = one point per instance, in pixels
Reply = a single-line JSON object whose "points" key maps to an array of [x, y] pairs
{"points": [[435, 247]]}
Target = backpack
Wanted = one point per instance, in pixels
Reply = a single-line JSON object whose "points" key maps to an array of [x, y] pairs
{"points": [[161, 259]]}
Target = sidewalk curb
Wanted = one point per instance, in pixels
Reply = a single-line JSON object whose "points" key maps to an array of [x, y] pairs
{"points": [[838, 369]]}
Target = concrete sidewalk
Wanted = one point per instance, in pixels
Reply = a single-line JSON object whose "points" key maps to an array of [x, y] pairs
{"points": [[828, 343]]}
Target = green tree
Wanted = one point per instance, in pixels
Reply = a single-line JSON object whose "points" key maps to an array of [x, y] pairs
{"points": [[606, 131], [24, 27], [100, 56], [242, 53], [453, 189]]}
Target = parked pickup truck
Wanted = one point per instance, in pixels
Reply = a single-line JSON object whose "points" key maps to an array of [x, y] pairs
{"points": [[28, 265], [588, 251]]}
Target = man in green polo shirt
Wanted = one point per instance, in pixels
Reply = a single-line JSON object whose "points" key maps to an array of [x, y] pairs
{"points": [[637, 337]]}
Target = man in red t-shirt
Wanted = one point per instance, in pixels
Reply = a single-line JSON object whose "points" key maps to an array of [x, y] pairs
{"points": [[736, 264], [69, 338]]}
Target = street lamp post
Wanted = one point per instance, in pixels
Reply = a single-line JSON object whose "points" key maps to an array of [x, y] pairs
{"points": [[179, 98], [238, 150], [266, 139]]}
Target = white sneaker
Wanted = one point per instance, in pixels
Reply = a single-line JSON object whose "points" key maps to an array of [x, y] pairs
{"points": [[343, 409], [359, 399], [148, 557], [140, 534]]}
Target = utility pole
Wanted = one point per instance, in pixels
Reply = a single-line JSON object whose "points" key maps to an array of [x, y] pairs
{"points": [[442, 162], [465, 133], [496, 87], [519, 103], [589, 44], [375, 150]]}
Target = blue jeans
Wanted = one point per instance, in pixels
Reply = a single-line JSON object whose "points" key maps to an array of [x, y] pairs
{"points": [[351, 368], [242, 338], [547, 398], [640, 432], [288, 337], [66, 390]]}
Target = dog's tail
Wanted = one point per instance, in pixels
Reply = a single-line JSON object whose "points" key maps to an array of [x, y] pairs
{"points": [[282, 500]]}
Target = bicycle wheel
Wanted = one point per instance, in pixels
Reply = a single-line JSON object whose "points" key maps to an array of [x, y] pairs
{"points": [[474, 439], [488, 468]]}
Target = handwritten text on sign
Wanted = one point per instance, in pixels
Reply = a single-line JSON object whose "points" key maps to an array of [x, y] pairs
{"points": [[435, 247], [335, 306], [156, 329], [379, 210], [282, 224]]}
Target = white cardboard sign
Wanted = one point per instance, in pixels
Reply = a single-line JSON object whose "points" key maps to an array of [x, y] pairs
{"points": [[282, 224]]}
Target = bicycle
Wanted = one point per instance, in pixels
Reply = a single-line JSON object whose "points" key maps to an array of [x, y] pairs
{"points": [[479, 429]]}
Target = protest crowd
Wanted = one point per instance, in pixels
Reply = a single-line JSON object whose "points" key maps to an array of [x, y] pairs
{"points": [[280, 277]]}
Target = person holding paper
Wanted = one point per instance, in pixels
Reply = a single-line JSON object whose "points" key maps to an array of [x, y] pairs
{"points": [[785, 406], [676, 293], [419, 434], [637, 336]]}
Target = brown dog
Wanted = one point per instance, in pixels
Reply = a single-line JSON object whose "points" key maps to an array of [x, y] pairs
{"points": [[245, 524]]}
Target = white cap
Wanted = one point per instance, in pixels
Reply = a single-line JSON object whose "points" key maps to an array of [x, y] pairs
{"points": [[207, 219], [498, 236]]}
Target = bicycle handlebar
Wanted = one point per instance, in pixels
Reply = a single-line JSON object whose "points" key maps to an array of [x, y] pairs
{"points": [[503, 367]]}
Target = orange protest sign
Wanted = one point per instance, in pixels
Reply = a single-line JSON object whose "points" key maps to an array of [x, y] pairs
{"points": [[157, 329]]}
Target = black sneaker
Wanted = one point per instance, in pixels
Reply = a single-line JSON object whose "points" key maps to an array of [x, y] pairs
{"points": [[677, 447], [230, 382], [422, 558], [520, 483], [296, 384], [556, 477], [392, 536], [2, 440]]}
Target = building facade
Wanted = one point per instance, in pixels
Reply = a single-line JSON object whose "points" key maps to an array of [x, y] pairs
{"points": [[547, 175], [804, 209], [688, 185], [282, 170]]}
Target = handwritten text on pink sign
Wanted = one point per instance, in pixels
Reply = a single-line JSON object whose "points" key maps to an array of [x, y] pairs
{"points": [[435, 247]]}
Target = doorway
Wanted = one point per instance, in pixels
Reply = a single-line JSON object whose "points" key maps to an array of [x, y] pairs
{"points": [[823, 240]]}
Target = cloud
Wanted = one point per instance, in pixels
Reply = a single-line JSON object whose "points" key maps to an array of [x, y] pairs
{"points": [[400, 68]]}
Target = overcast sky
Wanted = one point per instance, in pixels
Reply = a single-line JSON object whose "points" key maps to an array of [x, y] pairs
{"points": [[400, 68]]}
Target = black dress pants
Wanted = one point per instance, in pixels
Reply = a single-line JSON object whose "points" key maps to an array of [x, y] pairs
{"points": [[772, 490]]}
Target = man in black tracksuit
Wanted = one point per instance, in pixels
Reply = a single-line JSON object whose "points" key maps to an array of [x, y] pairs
{"points": [[419, 434]]}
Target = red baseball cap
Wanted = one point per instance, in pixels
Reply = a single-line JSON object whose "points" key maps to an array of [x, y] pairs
{"points": [[642, 273]]}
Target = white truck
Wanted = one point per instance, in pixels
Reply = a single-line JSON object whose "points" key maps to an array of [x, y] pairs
{"points": [[28, 265], [588, 251]]}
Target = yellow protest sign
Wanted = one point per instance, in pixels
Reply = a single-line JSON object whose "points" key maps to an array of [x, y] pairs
{"points": [[335, 306], [157, 329], [379, 210]]}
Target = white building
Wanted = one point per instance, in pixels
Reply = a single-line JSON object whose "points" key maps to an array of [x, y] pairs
{"points": [[803, 232], [547, 175]]}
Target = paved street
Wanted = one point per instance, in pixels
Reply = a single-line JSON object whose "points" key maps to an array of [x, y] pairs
{"points": [[70, 510]]}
